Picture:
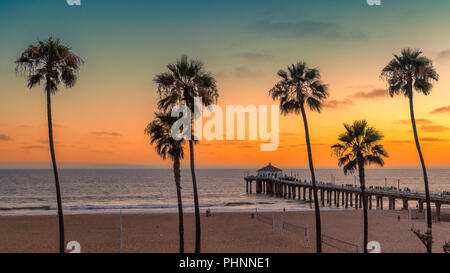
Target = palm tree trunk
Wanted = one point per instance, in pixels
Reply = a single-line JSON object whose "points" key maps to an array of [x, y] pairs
{"points": [[176, 170], [362, 182], [196, 205], [55, 172], [424, 169], [313, 178]]}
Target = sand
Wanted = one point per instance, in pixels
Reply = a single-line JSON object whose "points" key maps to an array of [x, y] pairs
{"points": [[221, 233]]}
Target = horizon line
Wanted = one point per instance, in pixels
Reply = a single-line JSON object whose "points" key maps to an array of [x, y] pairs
{"points": [[159, 167]]}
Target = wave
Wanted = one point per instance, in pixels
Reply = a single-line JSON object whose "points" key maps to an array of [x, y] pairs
{"points": [[27, 208], [232, 204], [265, 203], [125, 207]]}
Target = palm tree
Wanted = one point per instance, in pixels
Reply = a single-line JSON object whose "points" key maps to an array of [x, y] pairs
{"points": [[159, 131], [411, 70], [185, 80], [359, 146], [52, 62], [299, 86]]}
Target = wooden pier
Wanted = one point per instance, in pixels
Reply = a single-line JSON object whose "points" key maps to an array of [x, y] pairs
{"points": [[339, 195]]}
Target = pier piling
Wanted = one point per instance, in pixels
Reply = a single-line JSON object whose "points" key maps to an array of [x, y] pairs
{"points": [[330, 194]]}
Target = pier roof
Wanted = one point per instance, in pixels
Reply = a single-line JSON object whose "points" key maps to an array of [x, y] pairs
{"points": [[269, 168]]}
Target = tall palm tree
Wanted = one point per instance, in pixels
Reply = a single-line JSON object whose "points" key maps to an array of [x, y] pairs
{"points": [[53, 63], [301, 86], [185, 80], [359, 146], [405, 73], [159, 131]]}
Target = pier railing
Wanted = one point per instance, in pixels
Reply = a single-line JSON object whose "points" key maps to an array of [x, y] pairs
{"points": [[381, 190], [341, 195]]}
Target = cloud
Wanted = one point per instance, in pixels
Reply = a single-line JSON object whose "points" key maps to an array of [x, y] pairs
{"points": [[23, 126], [424, 139], [374, 94], [299, 145], [443, 55], [434, 128], [33, 147], [100, 151], [361, 86], [221, 74], [247, 146], [288, 134], [418, 121], [103, 133], [337, 104], [306, 28], [399, 141], [253, 56], [245, 72], [45, 141], [433, 139], [441, 110], [5, 138]]}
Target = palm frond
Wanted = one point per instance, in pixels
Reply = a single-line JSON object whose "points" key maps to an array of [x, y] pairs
{"points": [[359, 142], [185, 80], [350, 167], [49, 61], [160, 133], [297, 86], [409, 70]]}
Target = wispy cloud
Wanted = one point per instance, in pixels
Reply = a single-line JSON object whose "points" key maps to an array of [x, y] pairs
{"points": [[337, 104], [23, 126], [424, 139], [103, 133], [254, 56], [34, 147], [399, 141], [45, 141], [289, 134], [307, 28], [374, 94], [418, 121], [245, 72], [433, 139], [441, 110], [443, 56], [302, 145], [248, 146], [5, 138], [434, 128]]}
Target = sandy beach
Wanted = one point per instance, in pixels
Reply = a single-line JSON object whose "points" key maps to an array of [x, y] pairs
{"points": [[221, 233]]}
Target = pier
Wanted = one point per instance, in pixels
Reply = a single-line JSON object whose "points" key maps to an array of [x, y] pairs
{"points": [[270, 181]]}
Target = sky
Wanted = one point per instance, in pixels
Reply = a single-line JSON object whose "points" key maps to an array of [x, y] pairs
{"points": [[243, 44]]}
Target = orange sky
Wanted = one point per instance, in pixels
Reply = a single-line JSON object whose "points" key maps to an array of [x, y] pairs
{"points": [[101, 120], [110, 130]]}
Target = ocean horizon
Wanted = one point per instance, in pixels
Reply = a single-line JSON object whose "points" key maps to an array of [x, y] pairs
{"points": [[141, 191]]}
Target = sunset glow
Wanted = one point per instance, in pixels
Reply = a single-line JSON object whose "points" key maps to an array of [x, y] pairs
{"points": [[101, 120]]}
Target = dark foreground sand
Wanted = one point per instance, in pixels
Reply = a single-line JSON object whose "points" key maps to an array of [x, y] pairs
{"points": [[223, 232]]}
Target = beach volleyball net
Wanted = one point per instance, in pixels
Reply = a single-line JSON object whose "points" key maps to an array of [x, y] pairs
{"points": [[330, 241]]}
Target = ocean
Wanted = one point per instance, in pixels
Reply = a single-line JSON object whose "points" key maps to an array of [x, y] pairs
{"points": [[32, 192]]}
